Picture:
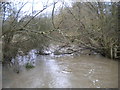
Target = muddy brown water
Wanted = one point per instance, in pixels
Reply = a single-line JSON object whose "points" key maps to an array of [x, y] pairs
{"points": [[67, 71]]}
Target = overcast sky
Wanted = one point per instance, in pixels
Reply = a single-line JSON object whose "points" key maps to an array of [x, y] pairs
{"points": [[38, 5]]}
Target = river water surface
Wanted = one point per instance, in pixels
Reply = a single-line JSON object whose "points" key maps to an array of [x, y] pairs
{"points": [[67, 71]]}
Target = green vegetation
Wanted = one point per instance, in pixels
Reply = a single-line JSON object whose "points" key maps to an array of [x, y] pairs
{"points": [[29, 66]]}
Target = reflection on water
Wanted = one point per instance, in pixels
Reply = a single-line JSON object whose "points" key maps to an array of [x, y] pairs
{"points": [[24, 59], [63, 71]]}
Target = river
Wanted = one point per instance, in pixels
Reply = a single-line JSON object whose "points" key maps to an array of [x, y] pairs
{"points": [[65, 71]]}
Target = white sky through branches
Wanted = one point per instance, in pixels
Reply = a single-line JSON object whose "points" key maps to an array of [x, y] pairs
{"points": [[37, 5]]}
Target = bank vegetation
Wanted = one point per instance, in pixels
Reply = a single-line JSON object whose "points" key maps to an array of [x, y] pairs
{"points": [[92, 25]]}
